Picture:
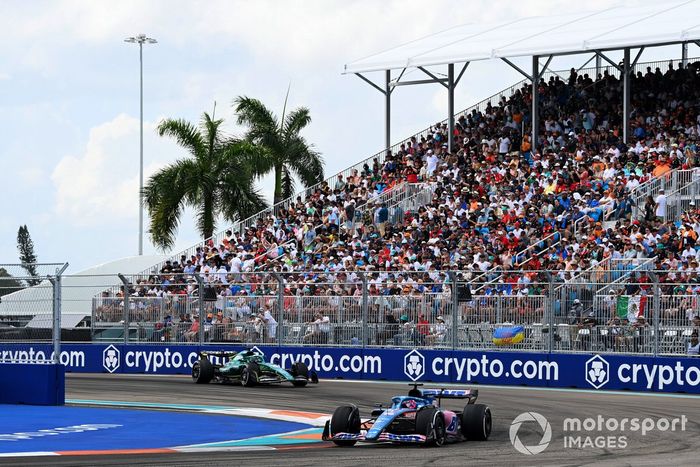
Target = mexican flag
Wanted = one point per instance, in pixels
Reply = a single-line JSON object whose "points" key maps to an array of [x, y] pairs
{"points": [[630, 307]]}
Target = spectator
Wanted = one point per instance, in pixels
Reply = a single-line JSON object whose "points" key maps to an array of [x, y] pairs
{"points": [[694, 345], [661, 205], [439, 331], [270, 323], [192, 334]]}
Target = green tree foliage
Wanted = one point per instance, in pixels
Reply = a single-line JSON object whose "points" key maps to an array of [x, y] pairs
{"points": [[216, 180], [286, 152], [27, 257]]}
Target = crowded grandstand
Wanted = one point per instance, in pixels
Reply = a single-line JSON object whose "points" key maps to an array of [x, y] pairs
{"points": [[577, 207]]}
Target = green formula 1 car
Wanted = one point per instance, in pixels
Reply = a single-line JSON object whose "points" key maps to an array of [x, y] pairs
{"points": [[247, 368]]}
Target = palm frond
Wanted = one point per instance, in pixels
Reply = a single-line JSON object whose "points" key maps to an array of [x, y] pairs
{"points": [[304, 161], [288, 185], [165, 194], [186, 134], [253, 113], [296, 121]]}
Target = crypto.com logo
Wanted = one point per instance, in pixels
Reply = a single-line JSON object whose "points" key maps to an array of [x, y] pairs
{"points": [[414, 365], [597, 371], [546, 433], [110, 358]]}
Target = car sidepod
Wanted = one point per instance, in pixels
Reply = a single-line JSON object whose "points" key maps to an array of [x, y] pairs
{"points": [[395, 425]]}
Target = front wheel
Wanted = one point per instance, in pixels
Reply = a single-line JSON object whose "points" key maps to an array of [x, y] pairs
{"points": [[476, 422], [249, 375], [345, 419], [430, 422]]}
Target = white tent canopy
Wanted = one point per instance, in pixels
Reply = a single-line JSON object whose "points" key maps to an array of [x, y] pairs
{"points": [[611, 29], [77, 291]]}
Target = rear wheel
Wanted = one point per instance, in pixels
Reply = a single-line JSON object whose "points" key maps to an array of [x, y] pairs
{"points": [[300, 369], [249, 375], [476, 422], [429, 422], [202, 371], [345, 419]]}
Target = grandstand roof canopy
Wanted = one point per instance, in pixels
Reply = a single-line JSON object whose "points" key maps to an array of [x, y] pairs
{"points": [[615, 28]]}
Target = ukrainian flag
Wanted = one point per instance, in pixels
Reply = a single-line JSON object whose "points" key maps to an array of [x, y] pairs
{"points": [[508, 335]]}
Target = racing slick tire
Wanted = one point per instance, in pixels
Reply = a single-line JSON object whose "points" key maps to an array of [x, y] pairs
{"points": [[300, 369], [345, 419], [430, 422], [202, 371], [476, 422], [249, 375]]}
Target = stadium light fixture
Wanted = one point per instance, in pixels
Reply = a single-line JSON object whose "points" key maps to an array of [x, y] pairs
{"points": [[140, 40]]}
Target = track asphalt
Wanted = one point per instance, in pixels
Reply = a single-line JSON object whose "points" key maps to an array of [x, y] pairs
{"points": [[657, 447]]}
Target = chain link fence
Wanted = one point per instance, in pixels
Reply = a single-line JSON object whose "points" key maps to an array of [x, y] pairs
{"points": [[631, 310], [30, 304]]}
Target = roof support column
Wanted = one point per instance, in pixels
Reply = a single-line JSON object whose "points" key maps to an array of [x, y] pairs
{"points": [[626, 95], [387, 110], [535, 120], [684, 54], [450, 107], [597, 66]]}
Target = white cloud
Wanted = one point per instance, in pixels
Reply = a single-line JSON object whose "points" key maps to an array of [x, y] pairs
{"points": [[101, 185]]}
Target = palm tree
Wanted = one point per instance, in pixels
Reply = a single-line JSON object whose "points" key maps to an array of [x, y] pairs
{"points": [[216, 181], [286, 151]]}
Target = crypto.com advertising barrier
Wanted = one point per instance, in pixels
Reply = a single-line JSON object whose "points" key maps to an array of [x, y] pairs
{"points": [[639, 373]]}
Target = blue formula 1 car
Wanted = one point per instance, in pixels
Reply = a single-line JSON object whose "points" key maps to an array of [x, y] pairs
{"points": [[417, 418]]}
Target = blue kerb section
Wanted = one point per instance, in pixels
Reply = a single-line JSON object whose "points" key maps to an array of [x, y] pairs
{"points": [[141, 429]]}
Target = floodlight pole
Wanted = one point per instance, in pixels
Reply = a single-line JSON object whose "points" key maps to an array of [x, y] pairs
{"points": [[450, 106], [535, 102], [626, 95], [140, 40], [387, 114]]}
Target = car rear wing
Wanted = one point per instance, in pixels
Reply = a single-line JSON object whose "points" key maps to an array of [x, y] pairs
{"points": [[451, 393], [442, 393], [219, 353]]}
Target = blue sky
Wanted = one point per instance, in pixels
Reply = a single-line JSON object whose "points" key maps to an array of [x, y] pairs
{"points": [[69, 96]]}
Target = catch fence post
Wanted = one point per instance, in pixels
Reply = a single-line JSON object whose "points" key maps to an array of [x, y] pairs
{"points": [[365, 309], [455, 307], [57, 309], [125, 311], [200, 300], [550, 308], [280, 306], [656, 304]]}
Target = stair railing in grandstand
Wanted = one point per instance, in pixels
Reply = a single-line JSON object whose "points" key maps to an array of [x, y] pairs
{"points": [[678, 201], [626, 269], [670, 182], [399, 200]]}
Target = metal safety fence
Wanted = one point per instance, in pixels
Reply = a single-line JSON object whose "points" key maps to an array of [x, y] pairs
{"points": [[31, 304], [632, 310]]}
